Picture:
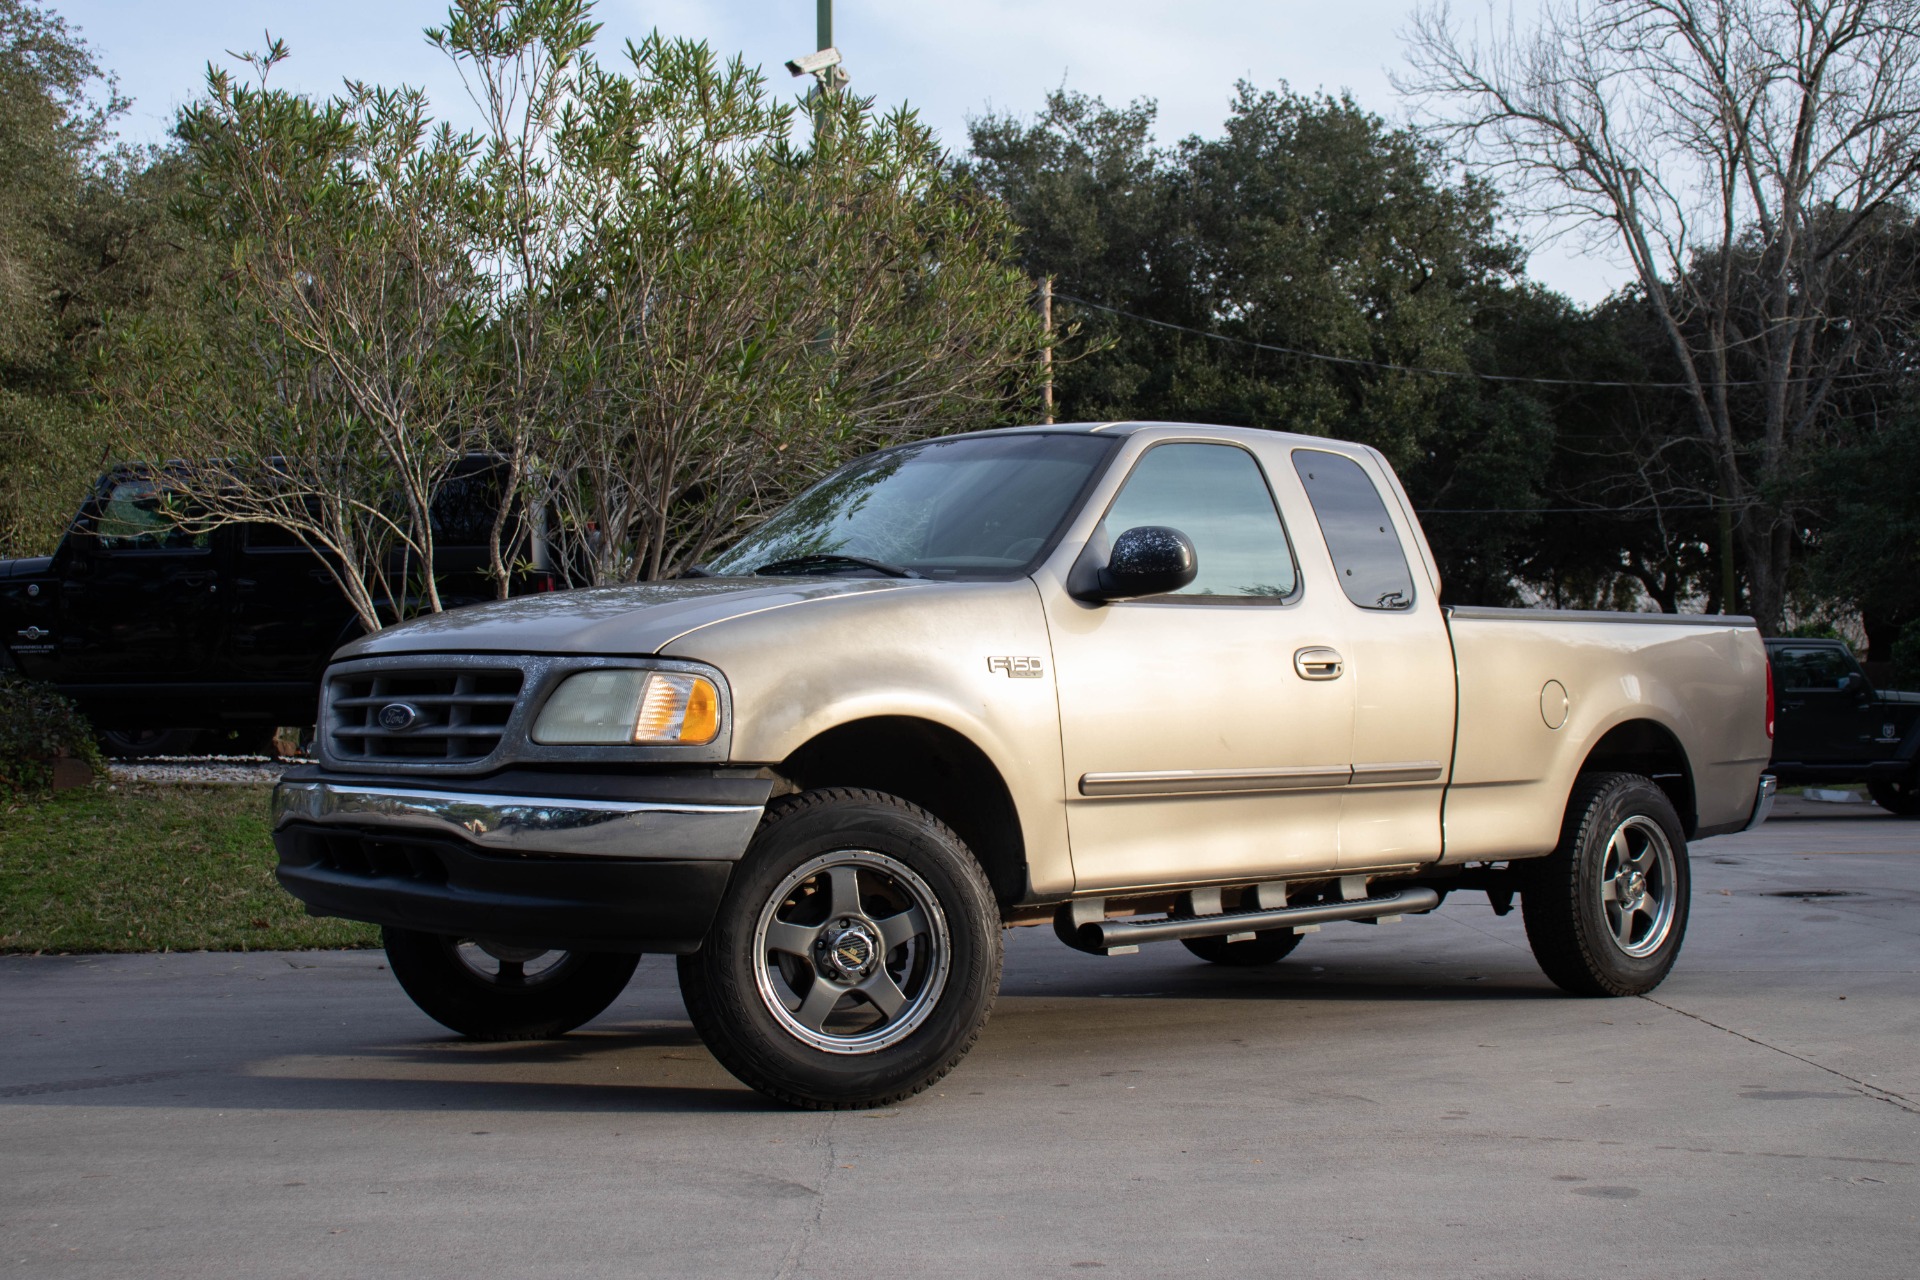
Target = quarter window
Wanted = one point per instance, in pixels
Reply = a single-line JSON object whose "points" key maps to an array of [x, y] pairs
{"points": [[1217, 496], [1366, 551]]}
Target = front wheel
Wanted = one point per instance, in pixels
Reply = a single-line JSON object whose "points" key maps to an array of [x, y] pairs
{"points": [[1606, 911], [1898, 795], [489, 990], [854, 958]]}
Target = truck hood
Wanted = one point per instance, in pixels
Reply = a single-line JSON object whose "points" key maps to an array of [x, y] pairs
{"points": [[29, 567], [607, 620], [1896, 695]]}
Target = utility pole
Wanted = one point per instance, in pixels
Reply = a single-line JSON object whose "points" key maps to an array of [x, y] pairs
{"points": [[824, 10], [1046, 327]]}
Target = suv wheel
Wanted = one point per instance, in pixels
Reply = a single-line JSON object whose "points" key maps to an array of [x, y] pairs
{"points": [[1606, 911], [1898, 795], [855, 956]]}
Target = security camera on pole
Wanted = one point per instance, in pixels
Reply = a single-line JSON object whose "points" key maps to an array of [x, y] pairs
{"points": [[824, 65]]}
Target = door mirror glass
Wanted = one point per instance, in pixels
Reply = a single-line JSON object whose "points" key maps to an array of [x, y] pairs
{"points": [[1151, 560]]}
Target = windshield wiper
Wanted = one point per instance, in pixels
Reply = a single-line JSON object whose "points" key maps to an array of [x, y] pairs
{"points": [[802, 564]]}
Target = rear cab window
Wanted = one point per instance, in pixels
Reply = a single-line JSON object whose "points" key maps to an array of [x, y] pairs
{"points": [[1367, 555]]}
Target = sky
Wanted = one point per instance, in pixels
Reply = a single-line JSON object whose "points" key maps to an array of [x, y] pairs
{"points": [[950, 59]]}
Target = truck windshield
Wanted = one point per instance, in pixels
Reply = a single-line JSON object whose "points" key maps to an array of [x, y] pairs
{"points": [[970, 505]]}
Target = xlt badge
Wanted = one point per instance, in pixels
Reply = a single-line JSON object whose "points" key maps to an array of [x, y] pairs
{"points": [[1018, 668]]}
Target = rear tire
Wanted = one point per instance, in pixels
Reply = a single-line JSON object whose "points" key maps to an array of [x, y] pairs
{"points": [[1267, 947], [133, 744], [489, 991], [1898, 795], [855, 957], [1606, 911]]}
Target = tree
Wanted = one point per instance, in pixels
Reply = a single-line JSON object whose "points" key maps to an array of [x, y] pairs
{"points": [[1310, 270], [1738, 152], [84, 234], [331, 381], [629, 287]]}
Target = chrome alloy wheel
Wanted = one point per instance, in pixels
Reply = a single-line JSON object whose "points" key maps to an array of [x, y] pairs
{"points": [[1637, 886], [500, 965], [851, 952]]}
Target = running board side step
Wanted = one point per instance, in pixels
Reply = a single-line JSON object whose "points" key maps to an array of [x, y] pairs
{"points": [[1109, 936]]}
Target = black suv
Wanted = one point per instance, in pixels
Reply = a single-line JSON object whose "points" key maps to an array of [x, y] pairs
{"points": [[169, 640], [1832, 725]]}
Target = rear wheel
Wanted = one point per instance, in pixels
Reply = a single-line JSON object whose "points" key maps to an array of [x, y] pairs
{"points": [[1606, 911], [135, 743], [1262, 948], [855, 957], [488, 990], [1898, 795]]}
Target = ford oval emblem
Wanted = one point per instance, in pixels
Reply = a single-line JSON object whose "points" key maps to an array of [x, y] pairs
{"points": [[398, 717]]}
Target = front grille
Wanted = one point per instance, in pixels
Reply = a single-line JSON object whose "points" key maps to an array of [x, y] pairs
{"points": [[450, 716]]}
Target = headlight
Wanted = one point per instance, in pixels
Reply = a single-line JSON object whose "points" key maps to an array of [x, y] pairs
{"points": [[625, 707]]}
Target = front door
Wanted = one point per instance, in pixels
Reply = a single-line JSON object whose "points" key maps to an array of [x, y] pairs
{"points": [[140, 597], [1191, 739]]}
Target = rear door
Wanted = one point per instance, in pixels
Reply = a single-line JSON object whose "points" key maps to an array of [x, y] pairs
{"points": [[288, 612], [1827, 713], [1399, 663]]}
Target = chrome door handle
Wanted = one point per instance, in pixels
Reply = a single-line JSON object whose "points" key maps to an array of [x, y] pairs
{"points": [[1318, 663]]}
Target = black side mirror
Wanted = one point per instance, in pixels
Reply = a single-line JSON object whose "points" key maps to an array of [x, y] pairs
{"points": [[1148, 561]]}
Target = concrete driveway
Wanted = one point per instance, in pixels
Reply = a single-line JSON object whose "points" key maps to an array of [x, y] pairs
{"points": [[1408, 1100]]}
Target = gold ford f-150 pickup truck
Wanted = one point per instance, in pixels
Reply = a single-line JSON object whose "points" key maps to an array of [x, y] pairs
{"points": [[1143, 681]]}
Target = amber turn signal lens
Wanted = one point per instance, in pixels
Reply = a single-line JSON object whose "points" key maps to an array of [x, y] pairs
{"points": [[702, 720]]}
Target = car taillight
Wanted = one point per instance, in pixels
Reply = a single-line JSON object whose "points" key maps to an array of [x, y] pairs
{"points": [[1769, 700]]}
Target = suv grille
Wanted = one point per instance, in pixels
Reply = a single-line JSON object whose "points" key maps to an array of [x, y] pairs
{"points": [[443, 717]]}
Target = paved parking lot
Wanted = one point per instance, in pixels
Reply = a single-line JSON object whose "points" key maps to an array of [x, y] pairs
{"points": [[1405, 1100]]}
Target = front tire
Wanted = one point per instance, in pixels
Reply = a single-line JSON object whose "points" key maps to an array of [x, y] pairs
{"points": [[855, 957], [488, 990], [1606, 911]]}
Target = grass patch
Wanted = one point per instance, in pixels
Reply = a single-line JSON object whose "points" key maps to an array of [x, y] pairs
{"points": [[151, 868]]}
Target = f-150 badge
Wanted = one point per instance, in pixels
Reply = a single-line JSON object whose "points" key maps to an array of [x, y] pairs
{"points": [[1017, 668]]}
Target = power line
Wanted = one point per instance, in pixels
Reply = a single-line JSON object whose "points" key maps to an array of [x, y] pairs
{"points": [[1566, 511], [1414, 368]]}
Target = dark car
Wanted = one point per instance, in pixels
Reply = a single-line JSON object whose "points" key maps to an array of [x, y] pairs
{"points": [[1833, 726], [169, 639]]}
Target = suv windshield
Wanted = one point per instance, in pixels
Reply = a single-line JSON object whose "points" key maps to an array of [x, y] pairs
{"points": [[942, 508]]}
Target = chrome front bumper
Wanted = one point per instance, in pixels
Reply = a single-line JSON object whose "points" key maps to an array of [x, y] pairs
{"points": [[1763, 800], [522, 824]]}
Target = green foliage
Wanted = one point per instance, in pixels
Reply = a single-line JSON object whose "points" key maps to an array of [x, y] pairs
{"points": [[86, 238], [138, 868], [37, 725], [1311, 225], [630, 285], [1906, 657]]}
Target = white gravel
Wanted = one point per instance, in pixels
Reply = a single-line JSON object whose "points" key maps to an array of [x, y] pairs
{"points": [[201, 770]]}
